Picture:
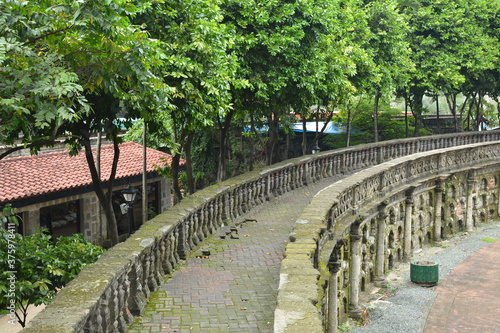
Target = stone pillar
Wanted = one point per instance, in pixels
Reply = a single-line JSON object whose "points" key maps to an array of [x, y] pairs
{"points": [[469, 221], [307, 173], [354, 310], [165, 195], [408, 222], [183, 247], [382, 216], [334, 267], [438, 208], [31, 221]]}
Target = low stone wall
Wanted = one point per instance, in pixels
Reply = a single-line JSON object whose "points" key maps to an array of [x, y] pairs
{"points": [[108, 294], [354, 231]]}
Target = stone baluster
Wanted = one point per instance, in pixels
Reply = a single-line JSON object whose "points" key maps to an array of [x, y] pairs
{"points": [[277, 183], [231, 199], [340, 163], [381, 219], [224, 208], [292, 177], [204, 220], [300, 175], [167, 249], [158, 272], [192, 235], [304, 174], [313, 170], [286, 179], [212, 218], [219, 201], [254, 195], [288, 175], [183, 246], [321, 169], [240, 203], [174, 238], [329, 168], [333, 286], [355, 310], [380, 154], [469, 220], [268, 186], [136, 301], [150, 273], [261, 190], [251, 195], [353, 159], [243, 190], [350, 156], [407, 251], [123, 293], [109, 309]]}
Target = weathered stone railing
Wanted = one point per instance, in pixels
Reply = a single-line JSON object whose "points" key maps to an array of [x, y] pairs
{"points": [[106, 295], [354, 231]]}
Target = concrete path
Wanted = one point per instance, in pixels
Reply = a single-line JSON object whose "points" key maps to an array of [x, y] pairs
{"points": [[468, 299], [234, 288]]}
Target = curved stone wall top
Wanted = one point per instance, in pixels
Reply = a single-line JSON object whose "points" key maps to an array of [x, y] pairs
{"points": [[107, 294], [334, 210]]}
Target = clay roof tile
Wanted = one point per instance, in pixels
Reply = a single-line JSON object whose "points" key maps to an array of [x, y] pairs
{"points": [[27, 176]]}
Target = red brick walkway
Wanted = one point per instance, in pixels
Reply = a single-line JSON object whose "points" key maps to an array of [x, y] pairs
{"points": [[468, 299]]}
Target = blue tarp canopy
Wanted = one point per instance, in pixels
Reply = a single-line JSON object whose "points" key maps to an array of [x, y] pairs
{"points": [[297, 128], [311, 127]]}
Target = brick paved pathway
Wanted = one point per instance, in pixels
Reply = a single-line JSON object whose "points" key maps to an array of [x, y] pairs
{"points": [[234, 288], [468, 299]]}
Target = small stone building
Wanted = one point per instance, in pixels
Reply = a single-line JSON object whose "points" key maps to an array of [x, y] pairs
{"points": [[54, 190]]}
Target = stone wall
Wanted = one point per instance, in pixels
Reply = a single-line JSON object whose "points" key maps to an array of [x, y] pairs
{"points": [[354, 231], [106, 295]]}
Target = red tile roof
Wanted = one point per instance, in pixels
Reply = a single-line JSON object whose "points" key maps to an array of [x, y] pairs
{"points": [[29, 176]]}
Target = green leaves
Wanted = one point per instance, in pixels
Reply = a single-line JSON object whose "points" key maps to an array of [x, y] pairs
{"points": [[37, 266]]}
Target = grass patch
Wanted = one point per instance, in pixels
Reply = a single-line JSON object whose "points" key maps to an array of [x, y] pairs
{"points": [[345, 328], [490, 239]]}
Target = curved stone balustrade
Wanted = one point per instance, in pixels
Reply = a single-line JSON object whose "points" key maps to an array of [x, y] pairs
{"points": [[354, 231], [106, 295]]}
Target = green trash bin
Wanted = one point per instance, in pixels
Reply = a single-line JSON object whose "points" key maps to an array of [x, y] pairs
{"points": [[424, 273]]}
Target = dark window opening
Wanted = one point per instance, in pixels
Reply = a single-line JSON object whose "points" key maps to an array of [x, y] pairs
{"points": [[62, 219]]}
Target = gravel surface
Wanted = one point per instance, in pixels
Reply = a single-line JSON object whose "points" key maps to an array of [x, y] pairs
{"points": [[405, 309]]}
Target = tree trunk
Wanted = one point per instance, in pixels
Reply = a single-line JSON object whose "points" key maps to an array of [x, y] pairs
{"points": [[319, 132], [437, 115], [144, 174], [273, 139], [189, 164], [451, 100], [223, 137], [259, 138], [175, 178], [375, 114], [416, 96], [498, 108], [287, 148], [304, 136], [105, 200], [479, 107], [348, 129], [462, 110], [406, 117]]}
